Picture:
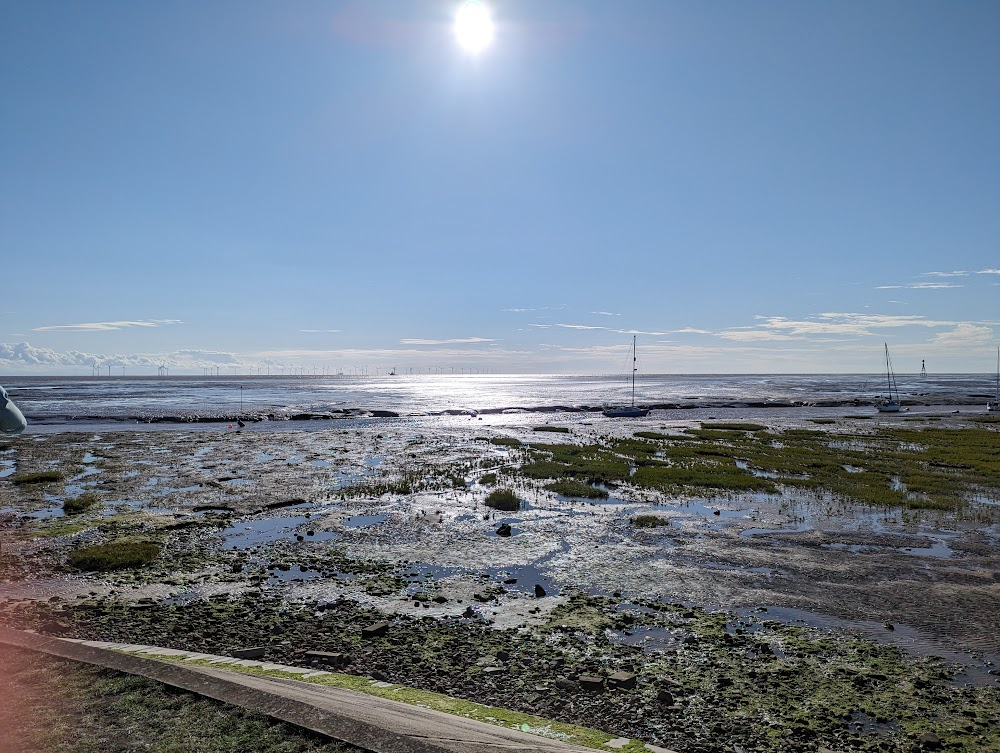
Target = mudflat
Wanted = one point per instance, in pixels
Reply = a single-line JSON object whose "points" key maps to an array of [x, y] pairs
{"points": [[781, 582]]}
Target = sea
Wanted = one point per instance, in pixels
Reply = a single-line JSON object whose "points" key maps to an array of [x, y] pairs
{"points": [[185, 399]]}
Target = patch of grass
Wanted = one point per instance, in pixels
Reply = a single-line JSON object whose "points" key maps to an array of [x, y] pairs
{"points": [[116, 555], [487, 479], [506, 442], [649, 521], [503, 499], [555, 429], [733, 426], [823, 420], [39, 477], [81, 504], [576, 489]]}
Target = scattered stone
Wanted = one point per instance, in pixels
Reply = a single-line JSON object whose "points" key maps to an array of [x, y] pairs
{"points": [[257, 652], [888, 626], [563, 684], [591, 682], [539, 591], [930, 741], [665, 697], [624, 680], [375, 630], [504, 530], [328, 658]]}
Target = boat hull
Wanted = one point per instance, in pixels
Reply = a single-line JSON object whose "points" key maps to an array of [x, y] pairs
{"points": [[888, 408], [628, 412]]}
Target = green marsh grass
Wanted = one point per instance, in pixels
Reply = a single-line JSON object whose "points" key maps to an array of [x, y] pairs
{"points": [[576, 489], [503, 499], [115, 555], [39, 477], [81, 504]]}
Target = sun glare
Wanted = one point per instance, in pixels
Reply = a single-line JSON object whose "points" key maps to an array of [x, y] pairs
{"points": [[473, 26]]}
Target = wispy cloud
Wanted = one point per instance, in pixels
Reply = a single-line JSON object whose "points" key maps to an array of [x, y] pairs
{"points": [[319, 330], [604, 313], [828, 324], [536, 308], [957, 273], [988, 272], [453, 341], [106, 326], [691, 331], [920, 286], [965, 334], [596, 327]]}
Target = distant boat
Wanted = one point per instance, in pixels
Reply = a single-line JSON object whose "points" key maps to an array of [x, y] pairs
{"points": [[890, 402], [628, 411], [994, 407]]}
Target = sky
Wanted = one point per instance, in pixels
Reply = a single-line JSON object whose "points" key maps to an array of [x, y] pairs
{"points": [[744, 187]]}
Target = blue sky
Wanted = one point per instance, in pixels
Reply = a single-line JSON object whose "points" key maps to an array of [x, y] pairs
{"points": [[750, 187]]}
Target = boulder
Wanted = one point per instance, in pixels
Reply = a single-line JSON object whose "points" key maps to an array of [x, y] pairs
{"points": [[256, 652], [539, 591], [504, 530]]}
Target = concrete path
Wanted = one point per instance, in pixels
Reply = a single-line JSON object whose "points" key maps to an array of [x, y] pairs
{"points": [[370, 722]]}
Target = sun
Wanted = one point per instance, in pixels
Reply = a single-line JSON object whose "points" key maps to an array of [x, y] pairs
{"points": [[473, 26]]}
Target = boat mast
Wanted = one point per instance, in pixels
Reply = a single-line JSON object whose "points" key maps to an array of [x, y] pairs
{"points": [[634, 369]]}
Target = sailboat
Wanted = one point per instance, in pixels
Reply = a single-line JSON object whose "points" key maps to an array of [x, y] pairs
{"points": [[994, 407], [628, 411], [890, 402]]}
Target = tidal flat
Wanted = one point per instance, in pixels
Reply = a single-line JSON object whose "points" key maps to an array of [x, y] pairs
{"points": [[813, 579]]}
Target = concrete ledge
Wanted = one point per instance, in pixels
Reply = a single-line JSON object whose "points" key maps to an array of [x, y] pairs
{"points": [[376, 724]]}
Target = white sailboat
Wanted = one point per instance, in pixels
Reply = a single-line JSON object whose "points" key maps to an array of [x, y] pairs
{"points": [[994, 407], [889, 402], [628, 411]]}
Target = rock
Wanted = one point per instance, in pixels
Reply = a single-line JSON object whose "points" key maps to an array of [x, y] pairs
{"points": [[929, 741], [625, 680], [591, 682], [665, 697], [563, 684], [504, 530], [440, 599], [491, 671], [888, 626], [375, 630], [328, 658], [468, 613], [539, 591], [257, 652], [510, 581]]}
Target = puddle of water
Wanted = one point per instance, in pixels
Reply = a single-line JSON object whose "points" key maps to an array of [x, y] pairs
{"points": [[8, 467], [853, 469], [365, 521], [938, 548], [253, 533], [319, 463], [791, 528], [202, 452], [374, 462], [240, 482], [263, 457], [897, 485], [975, 669]]}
